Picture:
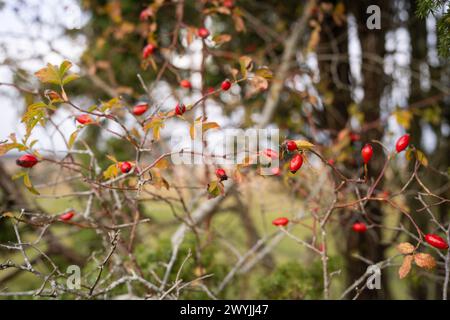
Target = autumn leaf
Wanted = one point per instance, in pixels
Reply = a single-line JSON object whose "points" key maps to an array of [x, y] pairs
{"points": [[111, 172], [416, 154], [424, 260], [221, 38], [405, 268], [246, 64], [72, 139], [304, 145], [264, 72], [405, 248], [403, 118], [162, 164], [215, 189], [53, 74], [205, 126], [29, 185], [156, 124]]}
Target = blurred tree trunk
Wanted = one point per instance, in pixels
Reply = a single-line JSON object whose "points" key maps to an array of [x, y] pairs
{"points": [[369, 245]]}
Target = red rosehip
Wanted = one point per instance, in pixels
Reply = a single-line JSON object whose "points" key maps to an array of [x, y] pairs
{"points": [[148, 50], [359, 227], [203, 32], [186, 84], [296, 163], [180, 109], [269, 153], [125, 167], [67, 216], [367, 153], [221, 174], [436, 241], [140, 109], [280, 221], [225, 85], [145, 14], [331, 162], [402, 143], [228, 3], [291, 145], [276, 171], [27, 161], [84, 119], [354, 137]]}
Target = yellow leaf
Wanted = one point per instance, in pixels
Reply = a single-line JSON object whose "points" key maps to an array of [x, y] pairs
{"points": [[264, 72], [49, 74], [403, 118], [156, 124], [416, 154], [111, 172], [112, 158], [162, 164], [246, 64], [72, 138], [304, 145]]}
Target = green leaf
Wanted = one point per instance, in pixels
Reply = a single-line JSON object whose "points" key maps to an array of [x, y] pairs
{"points": [[264, 72], [49, 74], [246, 64], [215, 189], [70, 78]]}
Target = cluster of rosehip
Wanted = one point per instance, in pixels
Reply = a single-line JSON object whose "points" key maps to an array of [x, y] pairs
{"points": [[366, 153]]}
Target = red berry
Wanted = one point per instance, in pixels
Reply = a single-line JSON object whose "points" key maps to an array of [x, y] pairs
{"points": [[27, 161], [125, 167], [402, 143], [203, 32], [140, 109], [185, 84], [359, 227], [145, 14], [84, 119], [291, 145], [221, 174], [228, 3], [180, 109], [269, 153], [296, 163], [331, 162], [225, 85], [354, 137], [148, 50], [280, 221], [276, 171], [67, 216], [367, 153], [436, 241], [210, 90]]}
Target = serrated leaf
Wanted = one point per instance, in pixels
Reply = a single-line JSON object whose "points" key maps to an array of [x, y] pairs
{"points": [[405, 248], [425, 261], [49, 74], [64, 67], [111, 172], [405, 268]]}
